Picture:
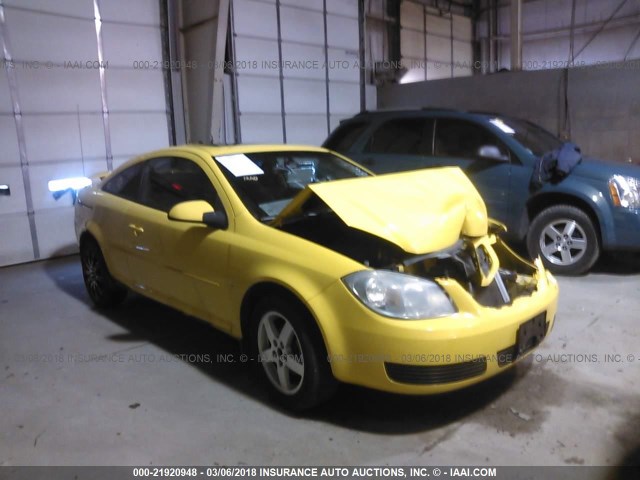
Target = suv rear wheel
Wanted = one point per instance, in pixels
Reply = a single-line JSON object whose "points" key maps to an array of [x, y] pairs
{"points": [[565, 238]]}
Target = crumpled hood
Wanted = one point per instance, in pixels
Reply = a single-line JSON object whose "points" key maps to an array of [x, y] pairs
{"points": [[421, 211]]}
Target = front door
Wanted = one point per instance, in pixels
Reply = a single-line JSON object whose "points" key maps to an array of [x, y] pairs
{"points": [[182, 263]]}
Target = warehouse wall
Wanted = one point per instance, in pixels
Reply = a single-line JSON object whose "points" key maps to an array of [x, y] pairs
{"points": [[71, 105], [603, 31], [316, 44], [604, 103], [434, 43]]}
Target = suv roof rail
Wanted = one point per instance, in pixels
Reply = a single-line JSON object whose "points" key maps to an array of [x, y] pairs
{"points": [[484, 112], [441, 109], [382, 111], [415, 109]]}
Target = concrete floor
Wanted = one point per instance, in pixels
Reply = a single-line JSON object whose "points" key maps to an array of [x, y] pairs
{"points": [[139, 405]]}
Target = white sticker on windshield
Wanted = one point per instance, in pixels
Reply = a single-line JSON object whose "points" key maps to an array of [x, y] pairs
{"points": [[240, 165]]}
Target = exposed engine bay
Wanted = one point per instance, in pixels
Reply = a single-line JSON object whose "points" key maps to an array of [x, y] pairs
{"points": [[463, 262]]}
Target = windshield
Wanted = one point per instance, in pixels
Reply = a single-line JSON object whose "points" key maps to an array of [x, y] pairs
{"points": [[531, 136], [267, 181]]}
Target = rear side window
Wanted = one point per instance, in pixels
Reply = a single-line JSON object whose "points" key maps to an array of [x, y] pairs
{"points": [[462, 139], [170, 181], [126, 184], [408, 136], [343, 138]]}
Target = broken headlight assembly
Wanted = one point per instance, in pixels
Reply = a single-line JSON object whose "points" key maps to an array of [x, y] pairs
{"points": [[398, 295]]}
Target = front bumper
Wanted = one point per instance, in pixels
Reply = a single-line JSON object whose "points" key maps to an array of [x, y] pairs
{"points": [[428, 356], [625, 231]]}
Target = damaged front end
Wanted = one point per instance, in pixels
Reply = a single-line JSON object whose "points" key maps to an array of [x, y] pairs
{"points": [[436, 228], [446, 302], [487, 269]]}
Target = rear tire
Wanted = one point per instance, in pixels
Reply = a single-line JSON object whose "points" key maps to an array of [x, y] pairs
{"points": [[565, 238], [290, 355], [103, 289]]}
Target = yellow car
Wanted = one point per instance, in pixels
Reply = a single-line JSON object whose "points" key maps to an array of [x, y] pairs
{"points": [[327, 273]]}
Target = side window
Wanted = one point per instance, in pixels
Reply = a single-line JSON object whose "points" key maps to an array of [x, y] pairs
{"points": [[409, 136], [462, 139], [173, 180], [343, 138], [127, 183]]}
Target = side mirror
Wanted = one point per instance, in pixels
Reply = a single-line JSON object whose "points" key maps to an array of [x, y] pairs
{"points": [[491, 152], [217, 220], [199, 211], [192, 211]]}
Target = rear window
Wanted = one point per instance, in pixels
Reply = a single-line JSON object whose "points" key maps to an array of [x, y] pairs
{"points": [[126, 184], [406, 136]]}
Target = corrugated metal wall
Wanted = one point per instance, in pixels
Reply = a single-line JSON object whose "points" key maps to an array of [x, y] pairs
{"points": [[603, 31], [81, 91], [297, 70], [434, 43]]}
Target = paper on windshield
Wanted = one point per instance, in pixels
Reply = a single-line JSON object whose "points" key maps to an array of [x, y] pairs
{"points": [[240, 165]]}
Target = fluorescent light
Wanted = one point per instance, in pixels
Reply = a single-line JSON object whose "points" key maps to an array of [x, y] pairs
{"points": [[503, 126], [72, 183], [4, 187]]}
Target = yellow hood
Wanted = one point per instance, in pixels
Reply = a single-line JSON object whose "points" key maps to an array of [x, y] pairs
{"points": [[421, 211]]}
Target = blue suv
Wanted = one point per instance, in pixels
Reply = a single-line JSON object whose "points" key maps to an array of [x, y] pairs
{"points": [[566, 221]]}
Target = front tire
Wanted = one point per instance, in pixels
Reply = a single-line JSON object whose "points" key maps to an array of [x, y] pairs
{"points": [[103, 289], [290, 354], [565, 238]]}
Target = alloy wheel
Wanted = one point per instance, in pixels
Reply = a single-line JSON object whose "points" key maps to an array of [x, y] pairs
{"points": [[94, 276], [280, 353], [563, 242]]}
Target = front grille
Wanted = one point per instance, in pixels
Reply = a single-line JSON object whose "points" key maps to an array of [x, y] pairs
{"points": [[469, 267], [435, 374]]}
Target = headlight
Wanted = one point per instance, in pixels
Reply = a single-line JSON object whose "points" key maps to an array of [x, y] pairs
{"points": [[398, 295], [625, 191]]}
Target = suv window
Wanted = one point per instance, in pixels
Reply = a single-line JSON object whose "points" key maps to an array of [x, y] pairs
{"points": [[408, 136], [126, 184], [170, 181], [462, 139], [345, 136]]}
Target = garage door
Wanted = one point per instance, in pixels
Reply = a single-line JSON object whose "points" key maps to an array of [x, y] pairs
{"points": [[81, 91], [434, 43], [297, 68]]}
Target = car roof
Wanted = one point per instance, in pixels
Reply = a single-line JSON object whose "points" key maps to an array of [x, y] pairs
{"points": [[214, 150], [218, 150], [427, 111]]}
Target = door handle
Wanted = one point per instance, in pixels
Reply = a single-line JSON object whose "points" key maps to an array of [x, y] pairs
{"points": [[136, 229]]}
